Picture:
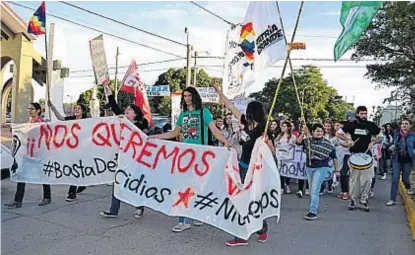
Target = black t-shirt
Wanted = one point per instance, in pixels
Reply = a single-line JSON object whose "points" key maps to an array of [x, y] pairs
{"points": [[70, 117], [362, 130], [248, 139]]}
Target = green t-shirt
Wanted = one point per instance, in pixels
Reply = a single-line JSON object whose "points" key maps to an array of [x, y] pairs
{"points": [[191, 128]]}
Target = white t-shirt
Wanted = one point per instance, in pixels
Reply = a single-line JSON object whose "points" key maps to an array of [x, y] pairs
{"points": [[345, 150]]}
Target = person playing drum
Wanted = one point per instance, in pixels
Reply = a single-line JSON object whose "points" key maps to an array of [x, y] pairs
{"points": [[361, 171]]}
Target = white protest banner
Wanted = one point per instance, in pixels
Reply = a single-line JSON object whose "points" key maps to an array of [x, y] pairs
{"points": [[208, 94], [241, 103], [291, 162], [159, 90], [191, 181], [78, 152], [99, 61], [175, 108], [252, 47]]}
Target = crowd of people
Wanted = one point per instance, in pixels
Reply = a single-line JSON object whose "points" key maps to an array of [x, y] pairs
{"points": [[330, 146]]}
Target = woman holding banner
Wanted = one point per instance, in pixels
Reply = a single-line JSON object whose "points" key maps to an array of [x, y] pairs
{"points": [[193, 123], [35, 111], [134, 114], [319, 151], [330, 134], [254, 122], [80, 112], [283, 141], [231, 134]]}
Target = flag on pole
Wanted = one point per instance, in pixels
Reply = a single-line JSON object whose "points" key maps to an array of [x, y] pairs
{"points": [[133, 84], [37, 24], [355, 17]]}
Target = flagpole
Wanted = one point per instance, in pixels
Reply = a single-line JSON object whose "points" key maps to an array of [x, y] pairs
{"points": [[49, 59]]}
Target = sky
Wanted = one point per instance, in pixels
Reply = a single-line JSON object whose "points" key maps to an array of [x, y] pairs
{"points": [[319, 27]]}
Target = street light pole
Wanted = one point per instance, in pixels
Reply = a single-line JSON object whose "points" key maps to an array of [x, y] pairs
{"points": [[189, 57]]}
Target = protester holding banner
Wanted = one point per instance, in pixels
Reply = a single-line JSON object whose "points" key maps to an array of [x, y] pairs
{"points": [[254, 122], [319, 151], [80, 112], [376, 155], [193, 122], [284, 140], [274, 130], [35, 111], [134, 114], [231, 135]]}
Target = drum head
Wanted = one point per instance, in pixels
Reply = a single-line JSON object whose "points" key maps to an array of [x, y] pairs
{"points": [[360, 161]]}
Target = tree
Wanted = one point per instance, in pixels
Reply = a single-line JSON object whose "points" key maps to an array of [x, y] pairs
{"points": [[320, 100], [176, 78], [391, 38], [124, 99]]}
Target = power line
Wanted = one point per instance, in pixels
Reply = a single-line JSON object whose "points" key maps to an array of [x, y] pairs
{"points": [[97, 30], [214, 14], [122, 23], [126, 66]]}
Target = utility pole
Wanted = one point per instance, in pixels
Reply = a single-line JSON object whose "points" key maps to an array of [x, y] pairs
{"points": [[189, 57], [116, 73], [195, 71]]}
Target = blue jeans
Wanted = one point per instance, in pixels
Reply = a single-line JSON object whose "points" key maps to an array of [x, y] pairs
{"points": [[315, 177], [184, 220], [397, 167]]}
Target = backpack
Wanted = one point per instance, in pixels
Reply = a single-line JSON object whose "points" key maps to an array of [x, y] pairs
{"points": [[210, 135]]}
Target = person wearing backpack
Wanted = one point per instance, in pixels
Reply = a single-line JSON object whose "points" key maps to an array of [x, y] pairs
{"points": [[194, 124], [403, 159]]}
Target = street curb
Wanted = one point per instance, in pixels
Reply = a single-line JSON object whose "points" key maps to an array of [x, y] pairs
{"points": [[410, 208]]}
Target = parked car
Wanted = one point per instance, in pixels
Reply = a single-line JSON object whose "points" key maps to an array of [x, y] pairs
{"points": [[6, 161]]}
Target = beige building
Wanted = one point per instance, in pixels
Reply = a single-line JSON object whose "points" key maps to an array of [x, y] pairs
{"points": [[19, 56]]}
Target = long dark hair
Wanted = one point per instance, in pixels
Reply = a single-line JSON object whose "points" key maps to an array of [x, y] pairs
{"points": [[255, 112], [196, 99], [84, 110], [225, 124], [387, 133], [289, 129], [139, 116], [37, 107]]}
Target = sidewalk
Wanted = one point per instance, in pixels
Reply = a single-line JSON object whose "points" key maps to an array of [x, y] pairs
{"points": [[410, 208]]}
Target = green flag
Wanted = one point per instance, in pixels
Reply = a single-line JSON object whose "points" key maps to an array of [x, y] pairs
{"points": [[354, 17]]}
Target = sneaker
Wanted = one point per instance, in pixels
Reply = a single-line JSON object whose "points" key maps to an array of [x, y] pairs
{"points": [[345, 196], [310, 216], [80, 190], [322, 193], [300, 194], [14, 204], [365, 207], [383, 177], [330, 190], [107, 214], [70, 198], [236, 242], [340, 195], [307, 192], [138, 213], [45, 202], [198, 223], [390, 203], [371, 193], [262, 238], [180, 227], [287, 189], [352, 205], [410, 192]]}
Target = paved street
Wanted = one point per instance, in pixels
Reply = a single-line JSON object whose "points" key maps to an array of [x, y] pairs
{"points": [[77, 228]]}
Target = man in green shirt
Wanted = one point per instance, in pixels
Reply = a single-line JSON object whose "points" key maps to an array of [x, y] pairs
{"points": [[189, 125]]}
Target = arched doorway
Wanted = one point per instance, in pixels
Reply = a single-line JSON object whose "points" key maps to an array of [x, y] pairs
{"points": [[6, 85]]}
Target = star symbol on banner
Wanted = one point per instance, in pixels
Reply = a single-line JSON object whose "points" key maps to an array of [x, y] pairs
{"points": [[184, 197]]}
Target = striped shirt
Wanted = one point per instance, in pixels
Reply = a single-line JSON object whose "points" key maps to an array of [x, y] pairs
{"points": [[319, 152]]}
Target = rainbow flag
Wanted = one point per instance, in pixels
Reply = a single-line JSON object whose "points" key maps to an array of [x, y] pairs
{"points": [[37, 24]]}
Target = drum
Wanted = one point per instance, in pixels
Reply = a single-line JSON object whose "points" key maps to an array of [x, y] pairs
{"points": [[360, 161]]}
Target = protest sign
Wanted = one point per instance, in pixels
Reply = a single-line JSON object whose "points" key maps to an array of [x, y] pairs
{"points": [[160, 90], [99, 61], [291, 162], [241, 103], [189, 180], [78, 152], [208, 94]]}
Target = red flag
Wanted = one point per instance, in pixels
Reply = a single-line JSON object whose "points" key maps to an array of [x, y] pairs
{"points": [[132, 84]]}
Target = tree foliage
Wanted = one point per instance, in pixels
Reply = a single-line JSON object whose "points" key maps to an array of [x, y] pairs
{"points": [[391, 38], [320, 101]]}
